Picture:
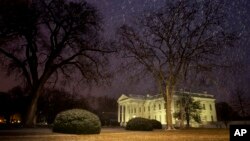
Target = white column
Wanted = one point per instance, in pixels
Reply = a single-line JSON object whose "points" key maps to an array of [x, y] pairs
{"points": [[122, 114], [125, 110], [119, 112]]}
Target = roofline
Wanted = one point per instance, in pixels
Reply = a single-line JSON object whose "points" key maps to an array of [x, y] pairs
{"points": [[200, 95]]}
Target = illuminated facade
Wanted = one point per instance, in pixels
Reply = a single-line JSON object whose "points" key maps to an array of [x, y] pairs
{"points": [[153, 107]]}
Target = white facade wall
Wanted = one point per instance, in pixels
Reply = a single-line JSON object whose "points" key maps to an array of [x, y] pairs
{"points": [[153, 107]]}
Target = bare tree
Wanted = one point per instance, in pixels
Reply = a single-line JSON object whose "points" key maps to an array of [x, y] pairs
{"points": [[240, 102], [180, 37], [48, 39]]}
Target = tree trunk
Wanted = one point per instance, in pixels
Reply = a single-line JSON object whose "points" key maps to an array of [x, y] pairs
{"points": [[169, 96], [32, 109], [187, 118], [181, 117]]}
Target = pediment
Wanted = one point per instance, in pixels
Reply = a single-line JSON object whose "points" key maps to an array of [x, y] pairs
{"points": [[122, 97]]}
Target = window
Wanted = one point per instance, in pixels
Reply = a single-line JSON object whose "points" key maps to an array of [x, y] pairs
{"points": [[212, 118], [164, 105], [204, 107], [154, 106], [210, 107], [135, 110], [144, 108], [159, 106], [148, 108], [140, 109], [148, 117]]}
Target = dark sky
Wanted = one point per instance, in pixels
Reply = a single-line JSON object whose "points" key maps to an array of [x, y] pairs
{"points": [[117, 12]]}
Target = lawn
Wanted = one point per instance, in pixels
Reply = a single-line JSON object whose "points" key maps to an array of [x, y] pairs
{"points": [[122, 135]]}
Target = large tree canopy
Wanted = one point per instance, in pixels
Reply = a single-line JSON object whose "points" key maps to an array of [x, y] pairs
{"points": [[181, 37], [46, 39]]}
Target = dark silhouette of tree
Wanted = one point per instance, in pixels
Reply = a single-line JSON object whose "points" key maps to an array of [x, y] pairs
{"points": [[19, 101], [46, 40], [5, 106], [188, 109], [225, 113], [13, 102], [54, 101], [240, 102], [106, 109], [181, 37]]}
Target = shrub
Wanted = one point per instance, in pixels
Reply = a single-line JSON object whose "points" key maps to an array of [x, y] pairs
{"points": [[139, 124], [156, 124], [77, 121]]}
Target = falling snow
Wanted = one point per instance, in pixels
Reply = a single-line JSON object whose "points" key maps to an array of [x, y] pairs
{"points": [[118, 12]]}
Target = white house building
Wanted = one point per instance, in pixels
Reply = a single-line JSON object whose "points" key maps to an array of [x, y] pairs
{"points": [[153, 107]]}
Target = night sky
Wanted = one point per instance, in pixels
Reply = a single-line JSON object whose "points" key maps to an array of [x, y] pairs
{"points": [[118, 12]]}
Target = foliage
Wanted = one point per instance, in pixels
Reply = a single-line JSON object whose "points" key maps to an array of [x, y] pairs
{"points": [[77, 121], [196, 118], [139, 124], [156, 124], [188, 109]]}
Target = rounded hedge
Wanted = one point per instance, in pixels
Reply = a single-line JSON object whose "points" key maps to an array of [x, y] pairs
{"points": [[156, 124], [139, 124], [77, 121]]}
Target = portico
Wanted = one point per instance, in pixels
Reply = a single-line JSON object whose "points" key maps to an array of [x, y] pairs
{"points": [[153, 107]]}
